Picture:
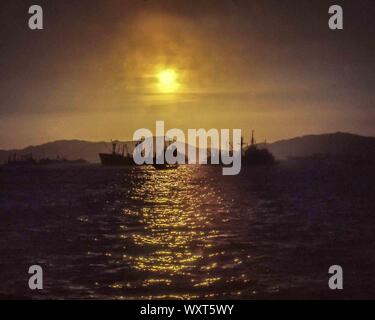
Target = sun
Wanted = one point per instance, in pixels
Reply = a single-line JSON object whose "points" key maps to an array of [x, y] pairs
{"points": [[167, 81]]}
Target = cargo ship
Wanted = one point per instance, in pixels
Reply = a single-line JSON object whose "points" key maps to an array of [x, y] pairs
{"points": [[250, 155], [124, 158], [115, 158], [256, 156]]}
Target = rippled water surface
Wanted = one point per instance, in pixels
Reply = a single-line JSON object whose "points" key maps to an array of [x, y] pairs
{"points": [[130, 233]]}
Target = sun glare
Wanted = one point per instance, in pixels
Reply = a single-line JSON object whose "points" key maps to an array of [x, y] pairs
{"points": [[167, 81]]}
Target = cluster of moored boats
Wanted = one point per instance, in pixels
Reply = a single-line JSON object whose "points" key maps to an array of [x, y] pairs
{"points": [[28, 159], [251, 155], [120, 156]]}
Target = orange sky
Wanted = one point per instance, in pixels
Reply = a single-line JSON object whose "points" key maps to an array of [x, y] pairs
{"points": [[92, 73]]}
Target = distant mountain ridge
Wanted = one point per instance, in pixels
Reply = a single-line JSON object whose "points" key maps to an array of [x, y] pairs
{"points": [[331, 144], [69, 149], [334, 144]]}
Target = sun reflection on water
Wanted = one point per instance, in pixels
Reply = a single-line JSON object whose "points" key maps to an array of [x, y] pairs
{"points": [[173, 221], [138, 233], [176, 229], [173, 235]]}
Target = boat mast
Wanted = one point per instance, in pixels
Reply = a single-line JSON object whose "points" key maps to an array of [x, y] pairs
{"points": [[113, 147]]}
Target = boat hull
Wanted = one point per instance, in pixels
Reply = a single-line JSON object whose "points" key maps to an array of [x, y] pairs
{"points": [[108, 159]]}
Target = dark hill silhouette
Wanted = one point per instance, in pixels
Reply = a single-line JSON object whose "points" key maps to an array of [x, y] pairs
{"points": [[334, 144], [331, 144], [70, 149]]}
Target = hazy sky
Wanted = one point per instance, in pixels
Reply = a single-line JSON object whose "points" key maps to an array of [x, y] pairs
{"points": [[273, 66]]}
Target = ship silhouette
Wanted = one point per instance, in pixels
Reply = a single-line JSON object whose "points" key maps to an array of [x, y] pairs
{"points": [[28, 159], [21, 160], [115, 158], [125, 158], [250, 155], [253, 155]]}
